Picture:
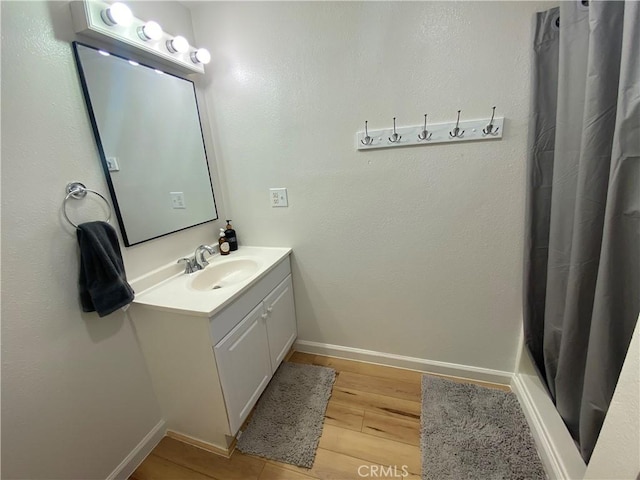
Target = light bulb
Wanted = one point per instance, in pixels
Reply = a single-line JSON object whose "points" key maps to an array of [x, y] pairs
{"points": [[150, 31], [117, 14], [201, 55], [178, 45]]}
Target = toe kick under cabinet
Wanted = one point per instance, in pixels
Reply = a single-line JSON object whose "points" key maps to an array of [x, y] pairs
{"points": [[208, 373]]}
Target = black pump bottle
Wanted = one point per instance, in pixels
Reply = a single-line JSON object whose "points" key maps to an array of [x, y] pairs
{"points": [[230, 235]]}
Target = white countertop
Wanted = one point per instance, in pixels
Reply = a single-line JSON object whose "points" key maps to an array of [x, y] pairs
{"points": [[176, 294]]}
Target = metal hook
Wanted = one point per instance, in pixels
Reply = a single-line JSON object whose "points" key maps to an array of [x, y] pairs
{"points": [[367, 139], [488, 130], [425, 134], [456, 131], [395, 138]]}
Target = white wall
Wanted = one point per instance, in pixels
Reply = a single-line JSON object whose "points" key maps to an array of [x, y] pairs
{"points": [[76, 394], [414, 251]]}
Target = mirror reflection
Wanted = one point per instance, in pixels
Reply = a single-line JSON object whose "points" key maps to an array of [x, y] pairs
{"points": [[148, 132]]}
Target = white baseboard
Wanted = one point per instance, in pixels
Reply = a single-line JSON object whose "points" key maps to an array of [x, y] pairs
{"points": [[401, 361], [139, 453], [557, 450]]}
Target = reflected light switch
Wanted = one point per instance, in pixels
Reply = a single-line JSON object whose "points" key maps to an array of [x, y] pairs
{"points": [[177, 200]]}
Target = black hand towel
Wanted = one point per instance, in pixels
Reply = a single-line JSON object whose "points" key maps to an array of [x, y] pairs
{"points": [[103, 282]]}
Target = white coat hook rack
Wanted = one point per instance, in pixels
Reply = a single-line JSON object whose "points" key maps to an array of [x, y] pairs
{"points": [[447, 132]]}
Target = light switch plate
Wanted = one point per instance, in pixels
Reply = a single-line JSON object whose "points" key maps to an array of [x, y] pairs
{"points": [[177, 200], [278, 197]]}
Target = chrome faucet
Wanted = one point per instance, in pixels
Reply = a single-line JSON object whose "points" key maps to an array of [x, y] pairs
{"points": [[198, 262], [198, 257]]}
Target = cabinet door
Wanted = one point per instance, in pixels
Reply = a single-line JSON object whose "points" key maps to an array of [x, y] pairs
{"points": [[244, 366], [281, 321]]}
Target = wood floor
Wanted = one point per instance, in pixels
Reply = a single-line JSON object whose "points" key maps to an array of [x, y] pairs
{"points": [[372, 421]]}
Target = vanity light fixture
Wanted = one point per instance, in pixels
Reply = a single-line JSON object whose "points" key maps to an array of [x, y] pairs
{"points": [[117, 14], [201, 55], [178, 44], [115, 24], [150, 31]]}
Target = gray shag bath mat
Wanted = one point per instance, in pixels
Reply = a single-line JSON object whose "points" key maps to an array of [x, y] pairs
{"points": [[472, 432], [287, 422]]}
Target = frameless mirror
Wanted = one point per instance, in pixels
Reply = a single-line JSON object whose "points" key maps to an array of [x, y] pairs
{"points": [[147, 128]]}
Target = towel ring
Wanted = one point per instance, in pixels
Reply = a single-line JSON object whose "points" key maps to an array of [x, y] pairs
{"points": [[77, 191]]}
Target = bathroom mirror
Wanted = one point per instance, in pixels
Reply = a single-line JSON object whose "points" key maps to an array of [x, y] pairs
{"points": [[147, 128]]}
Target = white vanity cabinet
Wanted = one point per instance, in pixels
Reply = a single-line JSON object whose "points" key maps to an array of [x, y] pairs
{"points": [[208, 372], [250, 354]]}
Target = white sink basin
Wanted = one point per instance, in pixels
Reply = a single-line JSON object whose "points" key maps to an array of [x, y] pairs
{"points": [[224, 273], [209, 291]]}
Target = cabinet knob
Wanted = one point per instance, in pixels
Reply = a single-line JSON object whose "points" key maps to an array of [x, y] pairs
{"points": [[269, 309], [264, 316]]}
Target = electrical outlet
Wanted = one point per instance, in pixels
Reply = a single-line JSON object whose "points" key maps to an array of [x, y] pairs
{"points": [[278, 197], [177, 200], [112, 164]]}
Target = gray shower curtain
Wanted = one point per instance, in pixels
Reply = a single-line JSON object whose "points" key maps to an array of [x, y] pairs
{"points": [[582, 246]]}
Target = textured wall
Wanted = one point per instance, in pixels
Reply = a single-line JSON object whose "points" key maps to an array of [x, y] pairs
{"points": [[76, 395], [413, 251]]}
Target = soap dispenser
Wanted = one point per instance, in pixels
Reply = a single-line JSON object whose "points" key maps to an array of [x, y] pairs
{"points": [[230, 234], [223, 244]]}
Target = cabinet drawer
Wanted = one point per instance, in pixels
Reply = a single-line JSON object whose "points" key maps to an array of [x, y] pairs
{"points": [[225, 321]]}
